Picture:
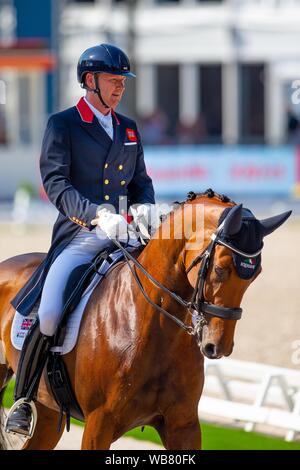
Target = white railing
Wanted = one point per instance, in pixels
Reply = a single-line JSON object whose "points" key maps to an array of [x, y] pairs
{"points": [[254, 394]]}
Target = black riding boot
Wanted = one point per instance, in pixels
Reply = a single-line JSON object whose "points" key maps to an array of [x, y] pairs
{"points": [[31, 365]]}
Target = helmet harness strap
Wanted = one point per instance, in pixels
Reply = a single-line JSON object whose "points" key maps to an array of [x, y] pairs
{"points": [[97, 90]]}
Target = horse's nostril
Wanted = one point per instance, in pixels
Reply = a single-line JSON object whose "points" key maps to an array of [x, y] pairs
{"points": [[210, 350]]}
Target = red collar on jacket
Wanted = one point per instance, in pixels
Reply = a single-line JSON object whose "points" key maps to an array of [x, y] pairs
{"points": [[87, 114]]}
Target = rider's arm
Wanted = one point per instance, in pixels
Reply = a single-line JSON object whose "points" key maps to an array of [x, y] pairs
{"points": [[55, 163]]}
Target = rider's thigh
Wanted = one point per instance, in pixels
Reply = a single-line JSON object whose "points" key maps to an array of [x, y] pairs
{"points": [[51, 304]]}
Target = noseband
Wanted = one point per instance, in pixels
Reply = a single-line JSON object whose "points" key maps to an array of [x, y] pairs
{"points": [[197, 306]]}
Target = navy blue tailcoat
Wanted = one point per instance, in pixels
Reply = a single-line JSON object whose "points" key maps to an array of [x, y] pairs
{"points": [[81, 168]]}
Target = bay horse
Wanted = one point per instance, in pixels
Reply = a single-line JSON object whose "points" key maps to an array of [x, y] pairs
{"points": [[132, 365]]}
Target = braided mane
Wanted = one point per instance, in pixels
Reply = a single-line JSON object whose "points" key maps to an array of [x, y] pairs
{"points": [[210, 193]]}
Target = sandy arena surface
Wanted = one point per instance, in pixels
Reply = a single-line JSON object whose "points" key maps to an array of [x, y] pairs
{"points": [[72, 441]]}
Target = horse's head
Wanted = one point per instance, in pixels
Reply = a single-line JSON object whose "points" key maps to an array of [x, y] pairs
{"points": [[229, 261]]}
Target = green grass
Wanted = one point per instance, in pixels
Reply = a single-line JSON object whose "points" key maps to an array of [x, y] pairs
{"points": [[214, 437], [8, 396], [219, 438]]}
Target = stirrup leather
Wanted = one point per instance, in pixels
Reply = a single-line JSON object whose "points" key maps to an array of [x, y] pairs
{"points": [[32, 361], [31, 364]]}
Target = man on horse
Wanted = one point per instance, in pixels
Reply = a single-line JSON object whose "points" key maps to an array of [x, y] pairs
{"points": [[91, 157]]}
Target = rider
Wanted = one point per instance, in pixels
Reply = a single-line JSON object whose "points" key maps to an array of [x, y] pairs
{"points": [[91, 163]]}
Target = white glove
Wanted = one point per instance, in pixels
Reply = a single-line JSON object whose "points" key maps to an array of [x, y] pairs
{"points": [[146, 212], [113, 225], [143, 210]]}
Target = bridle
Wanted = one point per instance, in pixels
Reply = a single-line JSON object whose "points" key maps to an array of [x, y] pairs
{"points": [[197, 300], [197, 306]]}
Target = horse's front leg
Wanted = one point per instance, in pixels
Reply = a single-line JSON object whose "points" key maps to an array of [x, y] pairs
{"points": [[180, 435], [98, 431]]}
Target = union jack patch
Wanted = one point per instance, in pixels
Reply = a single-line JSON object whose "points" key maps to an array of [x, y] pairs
{"points": [[131, 135], [26, 324]]}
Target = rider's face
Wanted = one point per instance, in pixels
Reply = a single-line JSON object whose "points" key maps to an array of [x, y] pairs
{"points": [[112, 88]]}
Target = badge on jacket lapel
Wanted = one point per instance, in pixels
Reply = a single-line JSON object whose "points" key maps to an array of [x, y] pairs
{"points": [[131, 135]]}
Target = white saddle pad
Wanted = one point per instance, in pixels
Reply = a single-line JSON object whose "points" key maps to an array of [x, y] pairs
{"points": [[21, 324]]}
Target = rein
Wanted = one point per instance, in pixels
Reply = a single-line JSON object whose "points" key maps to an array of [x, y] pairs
{"points": [[197, 302], [176, 297]]}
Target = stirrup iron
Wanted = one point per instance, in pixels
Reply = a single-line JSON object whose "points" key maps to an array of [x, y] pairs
{"points": [[33, 417]]}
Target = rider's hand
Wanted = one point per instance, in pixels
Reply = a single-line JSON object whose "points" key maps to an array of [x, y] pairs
{"points": [[113, 225], [146, 213], [143, 210]]}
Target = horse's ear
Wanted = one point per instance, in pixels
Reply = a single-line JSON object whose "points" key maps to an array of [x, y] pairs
{"points": [[272, 223], [233, 221]]}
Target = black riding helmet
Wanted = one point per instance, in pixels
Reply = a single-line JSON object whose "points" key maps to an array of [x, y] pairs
{"points": [[103, 58]]}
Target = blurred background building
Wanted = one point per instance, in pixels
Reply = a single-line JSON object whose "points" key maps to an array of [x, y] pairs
{"points": [[216, 86]]}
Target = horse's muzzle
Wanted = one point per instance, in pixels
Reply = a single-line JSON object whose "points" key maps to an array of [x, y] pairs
{"points": [[210, 350]]}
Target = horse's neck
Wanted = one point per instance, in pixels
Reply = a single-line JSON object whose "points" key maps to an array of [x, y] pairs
{"points": [[163, 260], [164, 256]]}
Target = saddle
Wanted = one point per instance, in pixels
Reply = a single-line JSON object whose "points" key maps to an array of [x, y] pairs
{"points": [[57, 378], [78, 281]]}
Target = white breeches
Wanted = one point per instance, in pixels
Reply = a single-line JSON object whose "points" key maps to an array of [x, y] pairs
{"points": [[82, 249]]}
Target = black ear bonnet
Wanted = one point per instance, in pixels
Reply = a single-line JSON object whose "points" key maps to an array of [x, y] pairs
{"points": [[249, 239]]}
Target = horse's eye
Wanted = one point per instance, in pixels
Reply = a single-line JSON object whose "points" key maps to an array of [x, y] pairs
{"points": [[222, 273]]}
